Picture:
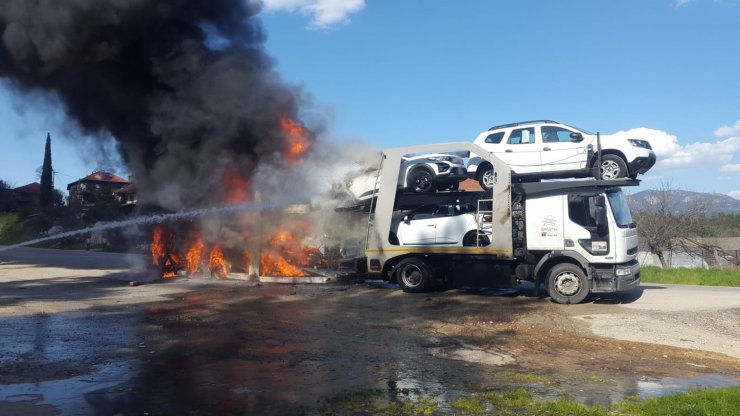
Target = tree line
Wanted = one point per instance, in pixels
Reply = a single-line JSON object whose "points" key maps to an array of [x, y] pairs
{"points": [[663, 228]]}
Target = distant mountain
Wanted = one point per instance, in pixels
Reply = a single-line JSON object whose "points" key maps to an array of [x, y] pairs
{"points": [[679, 201]]}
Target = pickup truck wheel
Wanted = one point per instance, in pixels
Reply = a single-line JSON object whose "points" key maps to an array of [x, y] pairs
{"points": [[414, 275], [421, 181], [567, 284], [613, 167], [486, 179]]}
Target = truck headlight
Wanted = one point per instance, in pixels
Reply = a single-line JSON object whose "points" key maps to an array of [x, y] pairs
{"points": [[623, 271]]}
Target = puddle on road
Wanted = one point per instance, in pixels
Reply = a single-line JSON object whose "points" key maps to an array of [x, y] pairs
{"points": [[81, 395], [66, 363], [654, 387]]}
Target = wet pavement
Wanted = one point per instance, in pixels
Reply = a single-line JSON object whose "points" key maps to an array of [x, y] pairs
{"points": [[73, 342]]}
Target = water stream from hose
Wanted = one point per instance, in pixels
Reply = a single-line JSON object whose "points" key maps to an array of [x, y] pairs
{"points": [[153, 219]]}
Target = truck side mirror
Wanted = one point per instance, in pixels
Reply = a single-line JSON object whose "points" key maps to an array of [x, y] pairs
{"points": [[600, 201], [576, 137]]}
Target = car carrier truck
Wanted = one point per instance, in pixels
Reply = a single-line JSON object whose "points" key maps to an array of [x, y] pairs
{"points": [[576, 237]]}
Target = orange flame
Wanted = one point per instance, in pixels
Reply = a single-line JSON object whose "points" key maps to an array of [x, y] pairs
{"points": [[297, 139], [283, 256], [237, 187], [218, 263], [274, 264], [194, 255], [157, 247]]}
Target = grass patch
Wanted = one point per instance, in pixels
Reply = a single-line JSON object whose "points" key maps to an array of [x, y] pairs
{"points": [[519, 402], [528, 378], [700, 402], [701, 277], [14, 229]]}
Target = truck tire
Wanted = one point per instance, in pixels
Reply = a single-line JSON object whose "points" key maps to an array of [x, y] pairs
{"points": [[567, 283], [485, 179], [414, 275], [612, 167], [421, 181]]}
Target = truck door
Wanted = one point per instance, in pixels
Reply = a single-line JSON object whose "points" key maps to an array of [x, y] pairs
{"points": [[589, 211], [521, 151], [560, 151]]}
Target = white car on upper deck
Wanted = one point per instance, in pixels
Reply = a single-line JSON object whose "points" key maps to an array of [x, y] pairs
{"points": [[544, 149]]}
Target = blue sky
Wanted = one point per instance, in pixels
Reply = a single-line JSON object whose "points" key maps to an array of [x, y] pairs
{"points": [[393, 73]]}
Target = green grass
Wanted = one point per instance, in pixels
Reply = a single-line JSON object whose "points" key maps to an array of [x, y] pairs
{"points": [[699, 402], [701, 277], [520, 402], [14, 229]]}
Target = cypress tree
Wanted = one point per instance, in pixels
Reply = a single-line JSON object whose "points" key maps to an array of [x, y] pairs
{"points": [[47, 178]]}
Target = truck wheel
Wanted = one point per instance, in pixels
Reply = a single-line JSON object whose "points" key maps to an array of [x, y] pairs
{"points": [[486, 178], [567, 284], [612, 167], [421, 181], [414, 275]]}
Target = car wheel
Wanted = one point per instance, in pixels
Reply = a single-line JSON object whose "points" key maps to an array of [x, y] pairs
{"points": [[567, 284], [486, 178], [421, 181], [472, 237], [613, 167], [414, 275]]}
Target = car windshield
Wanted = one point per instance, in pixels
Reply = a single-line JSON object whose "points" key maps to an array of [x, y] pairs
{"points": [[620, 209], [581, 130]]}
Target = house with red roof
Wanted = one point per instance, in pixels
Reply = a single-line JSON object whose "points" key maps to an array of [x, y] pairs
{"points": [[27, 196], [95, 188]]}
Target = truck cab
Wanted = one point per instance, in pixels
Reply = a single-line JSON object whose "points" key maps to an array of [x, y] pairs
{"points": [[585, 225]]}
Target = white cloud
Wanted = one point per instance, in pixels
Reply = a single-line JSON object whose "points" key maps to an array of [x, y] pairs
{"points": [[730, 168], [727, 131], [671, 154], [682, 3], [734, 194], [663, 144], [323, 13]]}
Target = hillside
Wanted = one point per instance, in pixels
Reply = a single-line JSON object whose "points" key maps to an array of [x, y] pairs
{"points": [[679, 201]]}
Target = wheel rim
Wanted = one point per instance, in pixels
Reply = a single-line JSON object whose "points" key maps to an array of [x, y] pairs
{"points": [[567, 283], [411, 275], [609, 169], [488, 179], [422, 182]]}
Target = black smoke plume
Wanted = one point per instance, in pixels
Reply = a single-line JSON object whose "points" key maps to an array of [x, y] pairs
{"points": [[185, 87]]}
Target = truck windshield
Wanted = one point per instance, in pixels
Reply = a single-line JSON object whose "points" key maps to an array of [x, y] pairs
{"points": [[620, 209]]}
